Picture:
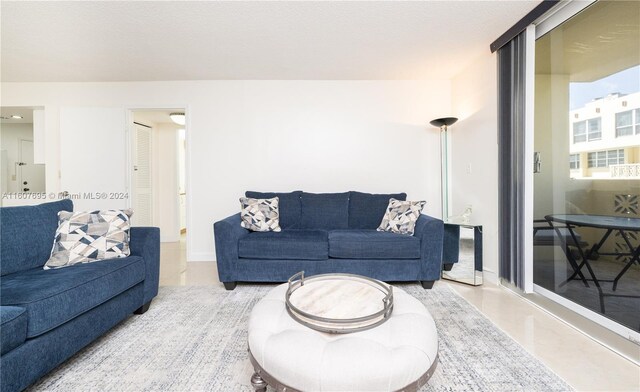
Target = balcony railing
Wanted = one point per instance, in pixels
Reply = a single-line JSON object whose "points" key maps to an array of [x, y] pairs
{"points": [[629, 170]]}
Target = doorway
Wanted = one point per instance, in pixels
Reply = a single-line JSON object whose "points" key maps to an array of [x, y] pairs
{"points": [[587, 186], [141, 177], [22, 170], [158, 178], [30, 176]]}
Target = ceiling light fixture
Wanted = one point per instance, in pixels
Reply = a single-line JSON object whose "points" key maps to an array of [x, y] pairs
{"points": [[16, 117], [178, 118]]}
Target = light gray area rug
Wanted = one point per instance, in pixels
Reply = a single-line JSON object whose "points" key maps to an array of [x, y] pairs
{"points": [[195, 339]]}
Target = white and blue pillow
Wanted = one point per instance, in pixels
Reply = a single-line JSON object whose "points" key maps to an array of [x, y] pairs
{"points": [[85, 237], [401, 216], [260, 214]]}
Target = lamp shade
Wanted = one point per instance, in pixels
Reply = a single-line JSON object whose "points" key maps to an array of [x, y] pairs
{"points": [[177, 118], [446, 121]]}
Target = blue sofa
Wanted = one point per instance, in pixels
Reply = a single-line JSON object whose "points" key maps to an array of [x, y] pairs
{"points": [[48, 315], [328, 232]]}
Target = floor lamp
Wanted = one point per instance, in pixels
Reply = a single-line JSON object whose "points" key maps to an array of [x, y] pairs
{"points": [[443, 124]]}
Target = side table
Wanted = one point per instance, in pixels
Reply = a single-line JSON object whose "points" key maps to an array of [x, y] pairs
{"points": [[462, 253]]}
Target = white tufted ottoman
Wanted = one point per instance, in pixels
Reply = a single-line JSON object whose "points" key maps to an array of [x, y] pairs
{"points": [[399, 355]]}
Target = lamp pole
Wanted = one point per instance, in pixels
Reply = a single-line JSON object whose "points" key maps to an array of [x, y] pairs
{"points": [[443, 124], [444, 171]]}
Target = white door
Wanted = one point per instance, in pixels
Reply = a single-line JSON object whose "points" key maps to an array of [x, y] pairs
{"points": [[30, 176], [93, 157], [142, 201]]}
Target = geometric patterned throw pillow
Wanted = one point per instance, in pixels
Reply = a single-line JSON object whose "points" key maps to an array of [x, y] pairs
{"points": [[84, 237], [401, 216], [260, 214]]}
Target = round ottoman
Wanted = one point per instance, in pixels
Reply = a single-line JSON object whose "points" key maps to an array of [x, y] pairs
{"points": [[399, 355]]}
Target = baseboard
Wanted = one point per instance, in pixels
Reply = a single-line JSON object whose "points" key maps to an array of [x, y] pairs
{"points": [[489, 276]]}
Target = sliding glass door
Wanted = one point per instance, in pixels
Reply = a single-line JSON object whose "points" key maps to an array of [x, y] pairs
{"points": [[587, 143]]}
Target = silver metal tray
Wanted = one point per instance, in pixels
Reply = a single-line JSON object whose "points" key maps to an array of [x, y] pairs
{"points": [[338, 303]]}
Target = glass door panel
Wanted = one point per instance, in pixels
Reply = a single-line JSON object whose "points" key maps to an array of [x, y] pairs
{"points": [[587, 134]]}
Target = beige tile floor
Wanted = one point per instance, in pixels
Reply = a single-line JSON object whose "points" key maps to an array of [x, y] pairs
{"points": [[581, 361]]}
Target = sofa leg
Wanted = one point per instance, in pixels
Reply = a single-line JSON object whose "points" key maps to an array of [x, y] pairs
{"points": [[427, 284], [447, 267], [143, 308], [230, 285]]}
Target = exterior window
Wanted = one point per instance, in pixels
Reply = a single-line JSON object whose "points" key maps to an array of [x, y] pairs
{"points": [[574, 161], [637, 121], [587, 130], [605, 158], [624, 123], [580, 132], [593, 159], [595, 129], [612, 157]]}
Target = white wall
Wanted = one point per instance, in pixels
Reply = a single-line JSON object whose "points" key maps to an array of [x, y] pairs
{"points": [[474, 146], [165, 188], [318, 136], [10, 136]]}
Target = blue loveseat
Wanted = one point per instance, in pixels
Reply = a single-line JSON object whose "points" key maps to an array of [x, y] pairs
{"points": [[328, 232], [48, 315]]}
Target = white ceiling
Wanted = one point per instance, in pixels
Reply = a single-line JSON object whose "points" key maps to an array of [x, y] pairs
{"points": [[184, 40], [151, 117]]}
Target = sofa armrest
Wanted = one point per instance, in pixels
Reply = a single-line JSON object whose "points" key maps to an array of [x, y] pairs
{"points": [[430, 230], [226, 234], [145, 242]]}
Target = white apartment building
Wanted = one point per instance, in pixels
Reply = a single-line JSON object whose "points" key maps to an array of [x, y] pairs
{"points": [[605, 138]]}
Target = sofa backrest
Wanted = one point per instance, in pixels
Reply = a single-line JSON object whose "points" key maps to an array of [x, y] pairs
{"points": [[326, 211], [27, 235], [367, 209], [289, 206], [330, 211]]}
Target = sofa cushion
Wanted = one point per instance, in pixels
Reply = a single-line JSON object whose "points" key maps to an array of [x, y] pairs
{"points": [[285, 245], [367, 209], [53, 297], [27, 235], [325, 211], [288, 205], [372, 244], [13, 327]]}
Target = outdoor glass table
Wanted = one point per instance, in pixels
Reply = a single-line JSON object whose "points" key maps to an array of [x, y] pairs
{"points": [[609, 224]]}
